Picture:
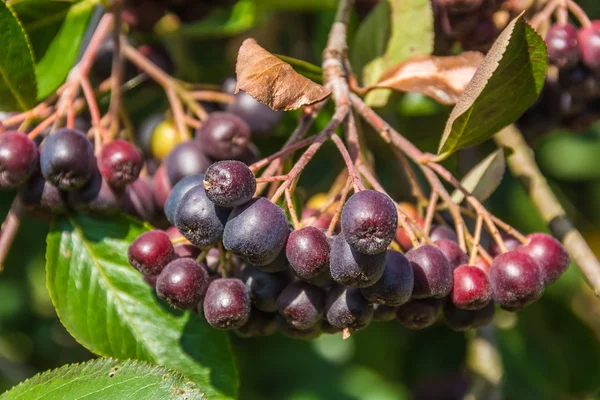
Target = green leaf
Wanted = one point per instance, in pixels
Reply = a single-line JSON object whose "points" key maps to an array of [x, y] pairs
{"points": [[17, 76], [484, 178], [56, 29], [394, 31], [508, 81], [106, 378], [108, 308], [304, 68]]}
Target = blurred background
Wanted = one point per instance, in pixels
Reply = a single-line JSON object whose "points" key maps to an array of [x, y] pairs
{"points": [[551, 350]]}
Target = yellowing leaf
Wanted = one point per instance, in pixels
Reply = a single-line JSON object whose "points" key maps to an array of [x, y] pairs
{"points": [[272, 81], [484, 178]]}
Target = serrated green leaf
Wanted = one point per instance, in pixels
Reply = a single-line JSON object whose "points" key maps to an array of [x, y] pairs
{"points": [[106, 378], [17, 76], [508, 81], [394, 31], [484, 178], [109, 309], [56, 29]]}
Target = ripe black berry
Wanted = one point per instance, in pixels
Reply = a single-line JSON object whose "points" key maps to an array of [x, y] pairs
{"points": [[260, 118], [67, 159], [369, 221], [256, 231], [302, 304], [96, 197], [229, 183], [264, 287], [395, 285], [177, 193], [41, 198], [432, 271], [227, 303], [419, 313], [549, 254], [182, 283], [185, 159], [562, 45], [223, 136], [18, 159], [471, 289], [349, 267], [151, 252], [200, 220], [307, 250], [280, 263], [462, 320], [260, 323], [347, 308], [516, 280], [452, 252], [383, 313]]}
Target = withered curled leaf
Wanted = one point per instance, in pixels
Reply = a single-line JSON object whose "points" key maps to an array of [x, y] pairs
{"points": [[272, 81], [441, 78]]}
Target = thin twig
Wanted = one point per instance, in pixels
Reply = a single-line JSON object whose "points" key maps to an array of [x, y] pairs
{"points": [[339, 207], [117, 71], [476, 239], [291, 208], [358, 186], [10, 227]]}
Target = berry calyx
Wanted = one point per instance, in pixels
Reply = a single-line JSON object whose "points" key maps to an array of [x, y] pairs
{"points": [[229, 183]]}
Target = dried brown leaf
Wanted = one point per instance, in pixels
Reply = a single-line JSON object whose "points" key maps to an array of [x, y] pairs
{"points": [[441, 78], [272, 81]]}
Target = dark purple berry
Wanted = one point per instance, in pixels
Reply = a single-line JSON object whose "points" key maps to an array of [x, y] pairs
{"points": [[458, 319], [260, 118], [264, 287], [510, 242], [223, 136], [260, 323], [185, 159], [42, 199], [177, 193], [138, 200], [96, 197], [563, 50], [120, 163], [256, 231], [432, 271], [323, 280], [395, 286], [471, 289], [227, 304], [229, 183], [589, 45], [67, 159], [291, 331], [307, 250], [369, 221], [151, 280], [419, 313], [182, 283], [452, 252], [349, 267], [383, 313], [347, 308], [442, 232], [280, 263], [302, 304], [199, 220], [161, 186], [516, 280], [549, 254], [151, 252], [18, 159]]}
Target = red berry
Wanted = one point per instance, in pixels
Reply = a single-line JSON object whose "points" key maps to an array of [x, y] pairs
{"points": [[18, 159], [550, 255], [510, 242], [227, 304], [562, 45], [442, 232], [452, 252], [307, 250], [151, 252], [471, 289], [432, 272], [120, 163], [516, 280], [182, 283], [589, 45]]}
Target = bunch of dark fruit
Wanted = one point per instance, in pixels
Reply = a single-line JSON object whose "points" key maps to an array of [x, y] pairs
{"points": [[243, 267], [570, 98]]}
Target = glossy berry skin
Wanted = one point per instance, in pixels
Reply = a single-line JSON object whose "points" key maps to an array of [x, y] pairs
{"points": [[302, 304], [227, 304], [307, 250], [482, 264], [349, 267], [369, 221], [150, 252], [96, 197], [510, 242], [549, 254], [185, 159], [347, 308], [433, 272], [120, 163], [419, 313], [264, 287], [18, 159], [42, 199], [471, 289], [67, 159], [223, 136], [260, 118], [383, 313], [229, 183], [182, 283], [395, 286], [442, 232], [516, 280], [138, 200], [199, 220], [260, 323], [177, 193], [589, 45], [563, 50], [256, 231], [452, 252]]}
